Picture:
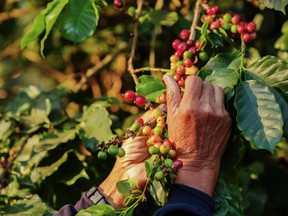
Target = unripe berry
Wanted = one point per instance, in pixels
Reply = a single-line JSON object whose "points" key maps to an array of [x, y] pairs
{"points": [[159, 175], [157, 112], [130, 95], [112, 150], [236, 19], [102, 155], [131, 11], [227, 18], [121, 152], [226, 26], [169, 143], [172, 153], [158, 130], [135, 126], [155, 139], [140, 100], [168, 162], [153, 150], [174, 58], [177, 164], [233, 28], [204, 56], [193, 70], [146, 130], [184, 34], [164, 149], [163, 98], [187, 55]]}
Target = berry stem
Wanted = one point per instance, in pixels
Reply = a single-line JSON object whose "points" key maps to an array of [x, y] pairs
{"points": [[197, 14], [134, 42], [138, 70]]}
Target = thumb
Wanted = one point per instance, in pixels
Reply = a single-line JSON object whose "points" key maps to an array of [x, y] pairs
{"points": [[173, 94]]}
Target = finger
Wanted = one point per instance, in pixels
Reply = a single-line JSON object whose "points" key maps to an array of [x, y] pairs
{"points": [[193, 89], [173, 94], [207, 97], [219, 98]]}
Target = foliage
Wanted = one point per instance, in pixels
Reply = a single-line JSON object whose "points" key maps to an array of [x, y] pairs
{"points": [[71, 102]]}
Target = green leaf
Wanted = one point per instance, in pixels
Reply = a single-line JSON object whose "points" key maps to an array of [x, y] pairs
{"points": [[28, 148], [25, 207], [273, 71], [275, 4], [220, 61], [79, 20], [95, 124], [36, 31], [158, 192], [282, 43], [258, 115], [40, 173], [51, 140], [151, 87], [163, 18], [215, 40], [101, 210], [53, 9], [5, 129], [225, 78], [125, 186]]}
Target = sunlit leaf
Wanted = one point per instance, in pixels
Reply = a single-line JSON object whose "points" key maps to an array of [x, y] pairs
{"points": [[275, 4], [79, 20], [258, 115], [125, 186], [151, 87], [163, 18], [158, 192], [101, 210]]}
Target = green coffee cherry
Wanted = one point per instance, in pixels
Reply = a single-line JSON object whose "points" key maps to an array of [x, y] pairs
{"points": [[102, 155]]}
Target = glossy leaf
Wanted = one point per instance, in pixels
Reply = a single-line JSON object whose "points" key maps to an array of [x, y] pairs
{"points": [[258, 115], [275, 4], [151, 87], [26, 207], [101, 210], [79, 20], [158, 192], [163, 18], [273, 71], [125, 186], [54, 9], [220, 61]]}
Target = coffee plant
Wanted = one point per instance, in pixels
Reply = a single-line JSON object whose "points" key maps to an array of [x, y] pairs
{"points": [[89, 69]]}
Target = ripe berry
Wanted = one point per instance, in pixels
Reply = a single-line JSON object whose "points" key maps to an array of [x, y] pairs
{"points": [[236, 19], [198, 44], [214, 25], [112, 150], [180, 70], [135, 126], [179, 54], [140, 120], [140, 100], [190, 43], [184, 34], [102, 155], [215, 10], [121, 152], [188, 63], [182, 47], [241, 28], [172, 153], [155, 139], [130, 95], [176, 43], [251, 27], [153, 150], [247, 38], [177, 77], [159, 175], [209, 10], [163, 98], [177, 164], [118, 4], [181, 83]]}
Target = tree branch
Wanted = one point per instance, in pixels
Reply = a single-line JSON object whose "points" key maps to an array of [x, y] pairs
{"points": [[197, 13]]}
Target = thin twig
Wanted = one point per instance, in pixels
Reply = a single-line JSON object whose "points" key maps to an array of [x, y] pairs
{"points": [[138, 70], [91, 71], [197, 13], [134, 41]]}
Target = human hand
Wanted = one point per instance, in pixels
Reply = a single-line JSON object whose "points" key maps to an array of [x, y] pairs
{"points": [[199, 125]]}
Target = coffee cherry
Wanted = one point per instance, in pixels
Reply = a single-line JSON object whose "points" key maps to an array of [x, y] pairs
{"points": [[203, 56], [192, 70], [121, 152], [184, 34], [187, 55], [168, 162], [102, 155], [226, 26], [236, 19], [214, 25], [180, 70], [159, 175], [182, 47], [130, 95], [227, 18], [146, 130], [176, 43], [139, 120], [215, 10], [155, 139], [131, 11], [157, 112], [177, 164], [187, 63], [251, 27], [153, 150], [163, 98], [172, 153], [164, 148], [140, 100], [241, 28], [233, 28], [174, 59], [190, 43], [181, 83], [247, 38], [179, 54], [158, 130], [112, 150], [118, 4], [135, 126], [209, 10], [177, 77]]}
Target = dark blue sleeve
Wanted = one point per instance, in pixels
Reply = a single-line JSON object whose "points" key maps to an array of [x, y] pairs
{"points": [[187, 201], [70, 210]]}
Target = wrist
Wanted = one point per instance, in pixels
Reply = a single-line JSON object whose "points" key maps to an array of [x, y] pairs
{"points": [[201, 177]]}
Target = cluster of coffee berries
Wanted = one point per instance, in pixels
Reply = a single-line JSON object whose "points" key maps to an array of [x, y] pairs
{"points": [[165, 163], [131, 95], [118, 3], [231, 23], [182, 62], [111, 149]]}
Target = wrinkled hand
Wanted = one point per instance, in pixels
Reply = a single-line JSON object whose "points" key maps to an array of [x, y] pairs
{"points": [[199, 125], [130, 166]]}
